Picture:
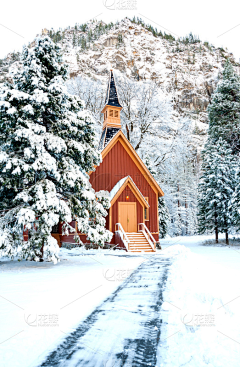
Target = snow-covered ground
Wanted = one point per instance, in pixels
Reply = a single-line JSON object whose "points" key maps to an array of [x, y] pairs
{"points": [[33, 293], [40, 302], [201, 305]]}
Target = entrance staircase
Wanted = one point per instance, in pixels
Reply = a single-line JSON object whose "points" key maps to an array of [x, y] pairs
{"points": [[141, 241], [138, 242]]}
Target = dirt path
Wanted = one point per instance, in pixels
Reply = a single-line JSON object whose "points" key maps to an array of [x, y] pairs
{"points": [[125, 329]]}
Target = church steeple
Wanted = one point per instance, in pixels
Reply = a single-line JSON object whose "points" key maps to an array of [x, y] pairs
{"points": [[111, 113], [111, 96]]}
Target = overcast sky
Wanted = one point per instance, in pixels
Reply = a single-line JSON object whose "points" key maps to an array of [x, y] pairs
{"points": [[215, 21]]}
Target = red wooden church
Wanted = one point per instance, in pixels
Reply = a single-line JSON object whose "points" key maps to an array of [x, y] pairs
{"points": [[134, 193]]}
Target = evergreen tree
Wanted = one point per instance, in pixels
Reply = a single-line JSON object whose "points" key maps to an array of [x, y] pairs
{"points": [[235, 201], [83, 43], [218, 206], [224, 110], [164, 217], [120, 38], [46, 152], [216, 188], [74, 40], [89, 36]]}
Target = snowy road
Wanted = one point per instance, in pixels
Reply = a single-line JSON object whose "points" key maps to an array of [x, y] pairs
{"points": [[125, 329]]}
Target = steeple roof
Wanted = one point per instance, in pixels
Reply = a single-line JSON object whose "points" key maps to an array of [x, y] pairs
{"points": [[112, 97]]}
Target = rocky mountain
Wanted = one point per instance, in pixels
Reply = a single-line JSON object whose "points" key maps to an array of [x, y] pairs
{"points": [[188, 69]]}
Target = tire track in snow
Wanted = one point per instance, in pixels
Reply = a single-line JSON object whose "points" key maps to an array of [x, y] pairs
{"points": [[125, 330]]}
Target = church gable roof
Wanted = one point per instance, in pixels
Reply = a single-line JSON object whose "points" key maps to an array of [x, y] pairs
{"points": [[111, 96], [135, 157], [120, 186]]}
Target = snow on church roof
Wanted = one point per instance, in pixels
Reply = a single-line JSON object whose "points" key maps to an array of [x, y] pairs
{"points": [[119, 185]]}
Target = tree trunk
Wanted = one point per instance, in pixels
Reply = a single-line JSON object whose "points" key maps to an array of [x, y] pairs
{"points": [[227, 241], [186, 206], [216, 226], [216, 234], [128, 133]]}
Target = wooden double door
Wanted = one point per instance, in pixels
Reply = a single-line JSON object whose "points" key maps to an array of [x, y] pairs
{"points": [[127, 216]]}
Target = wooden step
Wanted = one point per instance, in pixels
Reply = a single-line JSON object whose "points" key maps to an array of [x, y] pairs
{"points": [[138, 239], [138, 243], [135, 235], [135, 251], [140, 248]]}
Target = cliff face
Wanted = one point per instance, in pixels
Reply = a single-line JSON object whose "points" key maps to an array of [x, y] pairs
{"points": [[189, 72]]}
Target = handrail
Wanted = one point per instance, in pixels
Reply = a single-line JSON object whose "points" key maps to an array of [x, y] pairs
{"points": [[148, 235], [121, 231]]}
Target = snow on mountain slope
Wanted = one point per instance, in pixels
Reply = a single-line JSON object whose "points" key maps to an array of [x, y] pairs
{"points": [[188, 71]]}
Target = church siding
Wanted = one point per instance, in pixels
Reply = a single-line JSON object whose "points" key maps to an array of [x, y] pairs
{"points": [[116, 165]]}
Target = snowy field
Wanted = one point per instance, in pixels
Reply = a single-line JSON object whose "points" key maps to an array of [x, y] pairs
{"points": [[70, 290], [201, 305], [40, 303]]}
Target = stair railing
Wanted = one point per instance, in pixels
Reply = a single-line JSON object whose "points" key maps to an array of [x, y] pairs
{"points": [[123, 235], [148, 235]]}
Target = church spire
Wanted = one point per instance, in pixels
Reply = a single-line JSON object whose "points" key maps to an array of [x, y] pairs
{"points": [[111, 96], [111, 113]]}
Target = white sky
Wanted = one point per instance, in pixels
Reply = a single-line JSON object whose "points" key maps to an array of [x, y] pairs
{"points": [[206, 18]]}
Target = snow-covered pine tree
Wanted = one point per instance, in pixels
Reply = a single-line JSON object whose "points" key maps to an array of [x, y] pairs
{"points": [[164, 217], [235, 200], [46, 151], [224, 109], [216, 188]]}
